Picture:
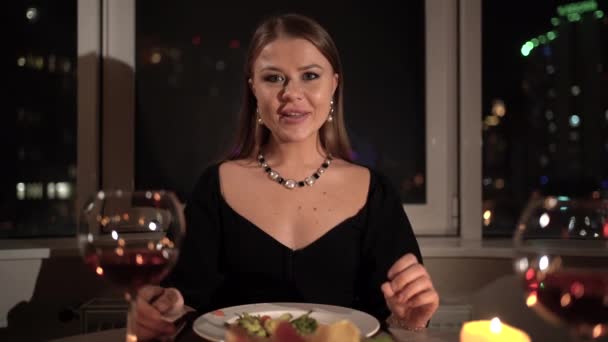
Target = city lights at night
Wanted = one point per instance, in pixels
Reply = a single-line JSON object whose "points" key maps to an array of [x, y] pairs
{"points": [[38, 180], [551, 133]]}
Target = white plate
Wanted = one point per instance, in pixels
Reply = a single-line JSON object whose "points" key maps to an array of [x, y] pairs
{"points": [[212, 325]]}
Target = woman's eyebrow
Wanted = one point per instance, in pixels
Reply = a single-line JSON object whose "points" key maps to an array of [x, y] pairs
{"points": [[306, 67], [270, 67], [310, 66]]}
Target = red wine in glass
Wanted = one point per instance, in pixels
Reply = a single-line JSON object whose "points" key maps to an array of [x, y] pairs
{"points": [[578, 298], [131, 239], [561, 248], [130, 269]]}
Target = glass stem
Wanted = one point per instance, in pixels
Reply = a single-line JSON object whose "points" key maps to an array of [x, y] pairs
{"points": [[131, 335]]}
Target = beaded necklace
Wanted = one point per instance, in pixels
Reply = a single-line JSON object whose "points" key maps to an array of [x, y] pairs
{"points": [[290, 183]]}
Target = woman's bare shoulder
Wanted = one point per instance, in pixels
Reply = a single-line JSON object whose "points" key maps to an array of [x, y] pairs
{"points": [[351, 172], [237, 165], [231, 171]]}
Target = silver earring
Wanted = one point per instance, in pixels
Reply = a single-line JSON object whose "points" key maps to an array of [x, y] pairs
{"points": [[257, 111], [330, 118]]}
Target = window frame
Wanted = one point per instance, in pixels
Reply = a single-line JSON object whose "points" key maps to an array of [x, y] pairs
{"points": [[88, 79], [469, 125]]}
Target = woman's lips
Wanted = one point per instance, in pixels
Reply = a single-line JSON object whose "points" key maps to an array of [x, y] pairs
{"points": [[293, 118]]}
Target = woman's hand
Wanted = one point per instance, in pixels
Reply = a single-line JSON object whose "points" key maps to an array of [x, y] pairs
{"points": [[153, 302], [409, 292]]}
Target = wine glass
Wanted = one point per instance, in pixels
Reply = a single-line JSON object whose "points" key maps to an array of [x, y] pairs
{"points": [[131, 239], [561, 247]]}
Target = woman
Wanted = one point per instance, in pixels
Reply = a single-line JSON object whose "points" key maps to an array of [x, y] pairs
{"points": [[288, 217]]}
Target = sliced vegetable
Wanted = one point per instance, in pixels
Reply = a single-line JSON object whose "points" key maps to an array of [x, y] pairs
{"points": [[305, 324], [266, 326]]}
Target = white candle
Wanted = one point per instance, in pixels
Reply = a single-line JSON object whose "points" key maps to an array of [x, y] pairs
{"points": [[491, 331]]}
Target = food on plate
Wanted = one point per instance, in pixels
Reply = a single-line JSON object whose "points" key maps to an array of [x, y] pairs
{"points": [[286, 331], [341, 331], [266, 326]]}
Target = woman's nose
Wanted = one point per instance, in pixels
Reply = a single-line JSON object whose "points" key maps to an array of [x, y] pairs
{"points": [[292, 91]]}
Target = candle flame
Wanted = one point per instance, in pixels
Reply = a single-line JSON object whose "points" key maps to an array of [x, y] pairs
{"points": [[495, 325]]}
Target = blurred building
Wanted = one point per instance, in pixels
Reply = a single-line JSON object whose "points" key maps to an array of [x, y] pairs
{"points": [[38, 174], [565, 78], [556, 139]]}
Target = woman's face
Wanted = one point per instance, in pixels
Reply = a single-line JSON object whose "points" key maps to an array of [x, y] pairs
{"points": [[294, 85]]}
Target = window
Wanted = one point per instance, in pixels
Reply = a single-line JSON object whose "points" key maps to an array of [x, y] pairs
{"points": [[124, 65], [38, 144], [188, 63], [545, 111]]}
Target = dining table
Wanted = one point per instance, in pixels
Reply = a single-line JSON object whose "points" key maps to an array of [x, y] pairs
{"points": [[188, 335]]}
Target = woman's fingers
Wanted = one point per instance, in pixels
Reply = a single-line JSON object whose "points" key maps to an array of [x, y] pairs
{"points": [[413, 288], [408, 275], [149, 293], [425, 297], [146, 311], [148, 318], [401, 264], [387, 290], [168, 301], [404, 275], [409, 291]]}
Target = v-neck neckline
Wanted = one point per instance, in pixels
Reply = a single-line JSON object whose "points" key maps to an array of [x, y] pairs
{"points": [[318, 240], [313, 243]]}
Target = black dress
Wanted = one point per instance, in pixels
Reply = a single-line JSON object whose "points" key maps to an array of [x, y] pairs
{"points": [[226, 260]]}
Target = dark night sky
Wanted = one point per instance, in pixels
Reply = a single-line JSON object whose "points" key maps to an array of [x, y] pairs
{"points": [[506, 26]]}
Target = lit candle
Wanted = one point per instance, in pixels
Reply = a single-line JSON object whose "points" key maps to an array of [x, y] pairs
{"points": [[491, 331]]}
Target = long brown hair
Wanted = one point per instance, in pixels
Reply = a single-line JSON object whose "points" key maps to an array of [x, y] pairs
{"points": [[251, 136]]}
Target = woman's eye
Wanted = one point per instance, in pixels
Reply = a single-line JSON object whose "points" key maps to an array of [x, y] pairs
{"points": [[310, 76], [274, 78]]}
